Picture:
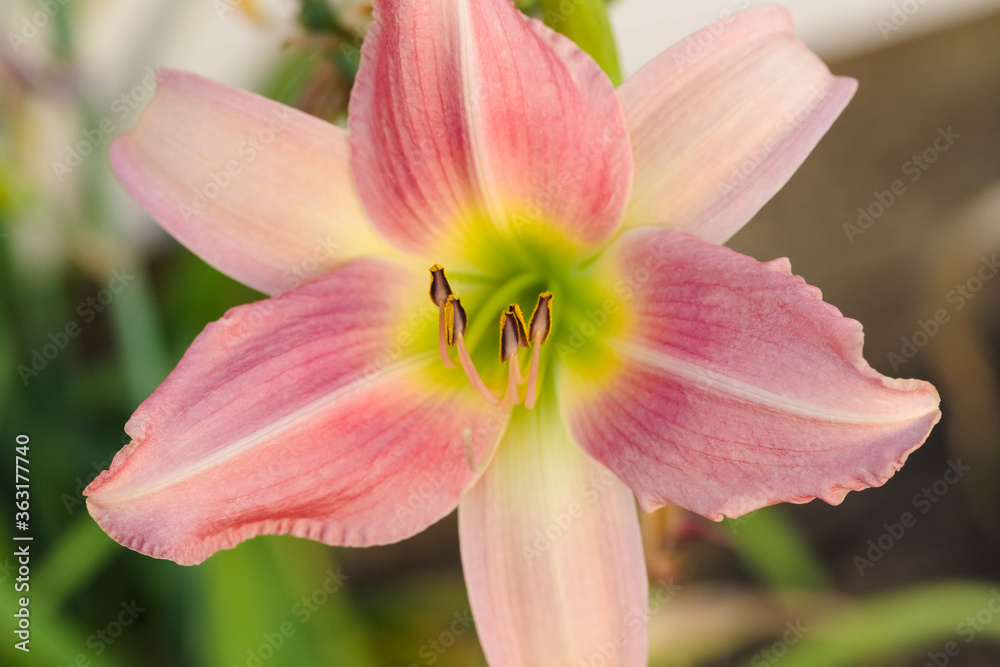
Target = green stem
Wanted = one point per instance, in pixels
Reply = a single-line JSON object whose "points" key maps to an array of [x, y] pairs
{"points": [[586, 23]]}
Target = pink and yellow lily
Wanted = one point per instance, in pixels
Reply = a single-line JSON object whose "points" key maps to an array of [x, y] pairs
{"points": [[357, 407]]}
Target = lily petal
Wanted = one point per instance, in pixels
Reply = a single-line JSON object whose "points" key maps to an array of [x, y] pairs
{"points": [[312, 413], [736, 386], [722, 120], [260, 191], [467, 115], [552, 554]]}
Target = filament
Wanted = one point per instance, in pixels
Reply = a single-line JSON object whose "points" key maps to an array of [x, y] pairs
{"points": [[471, 373]]}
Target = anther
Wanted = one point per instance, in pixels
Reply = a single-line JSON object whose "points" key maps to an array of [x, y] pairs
{"points": [[541, 319], [512, 332], [538, 332], [512, 337], [440, 288], [440, 291], [456, 320]]}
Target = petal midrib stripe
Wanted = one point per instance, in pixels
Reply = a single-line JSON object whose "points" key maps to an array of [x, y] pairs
{"points": [[722, 383], [471, 98], [277, 426]]}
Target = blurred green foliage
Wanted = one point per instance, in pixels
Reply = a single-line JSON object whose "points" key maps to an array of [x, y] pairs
{"points": [[280, 601]]}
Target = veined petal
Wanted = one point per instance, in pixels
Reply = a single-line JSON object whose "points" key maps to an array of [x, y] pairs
{"points": [[316, 413], [736, 386], [552, 554], [260, 191], [467, 115], [722, 120]]}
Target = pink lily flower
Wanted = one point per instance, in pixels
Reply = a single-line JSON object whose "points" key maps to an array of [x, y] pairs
{"points": [[355, 409]]}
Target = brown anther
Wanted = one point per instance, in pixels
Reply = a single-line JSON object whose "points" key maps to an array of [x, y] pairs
{"points": [[440, 289], [512, 332], [541, 319], [455, 319], [514, 311]]}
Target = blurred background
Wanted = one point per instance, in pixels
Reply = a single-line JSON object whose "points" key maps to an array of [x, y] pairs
{"points": [[809, 585]]}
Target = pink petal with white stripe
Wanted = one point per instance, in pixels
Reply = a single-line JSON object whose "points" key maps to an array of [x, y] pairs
{"points": [[735, 386], [259, 190], [468, 116], [552, 554], [319, 413], [722, 120]]}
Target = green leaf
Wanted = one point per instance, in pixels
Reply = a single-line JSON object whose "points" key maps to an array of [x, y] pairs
{"points": [[442, 633], [772, 547], [282, 600], [81, 552], [317, 16], [902, 624], [6, 361], [140, 336], [53, 640], [586, 23]]}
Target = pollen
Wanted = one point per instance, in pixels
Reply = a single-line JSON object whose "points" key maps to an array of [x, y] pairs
{"points": [[456, 320], [512, 332]]}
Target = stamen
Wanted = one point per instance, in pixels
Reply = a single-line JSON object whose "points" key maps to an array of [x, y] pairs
{"points": [[512, 337], [514, 334], [538, 332], [440, 291], [456, 322]]}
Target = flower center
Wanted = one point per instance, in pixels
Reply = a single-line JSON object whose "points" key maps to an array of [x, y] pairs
{"points": [[453, 322]]}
